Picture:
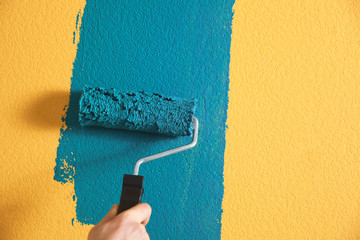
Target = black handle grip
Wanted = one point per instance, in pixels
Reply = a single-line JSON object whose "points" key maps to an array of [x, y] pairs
{"points": [[132, 191]]}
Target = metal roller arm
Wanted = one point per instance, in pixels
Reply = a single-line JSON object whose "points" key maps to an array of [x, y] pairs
{"points": [[171, 151]]}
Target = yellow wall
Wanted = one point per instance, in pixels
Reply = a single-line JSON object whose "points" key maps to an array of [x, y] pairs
{"points": [[292, 168], [37, 53]]}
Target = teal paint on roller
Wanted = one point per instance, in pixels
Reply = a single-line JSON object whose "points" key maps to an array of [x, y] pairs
{"points": [[138, 111]]}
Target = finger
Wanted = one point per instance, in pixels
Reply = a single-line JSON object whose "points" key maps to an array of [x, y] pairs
{"points": [[147, 218], [140, 213], [111, 214]]}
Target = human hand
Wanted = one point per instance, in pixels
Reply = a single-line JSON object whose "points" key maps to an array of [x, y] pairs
{"points": [[128, 225]]}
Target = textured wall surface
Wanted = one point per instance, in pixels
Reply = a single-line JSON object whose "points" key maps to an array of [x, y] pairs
{"points": [[292, 168], [172, 48], [37, 54], [292, 146]]}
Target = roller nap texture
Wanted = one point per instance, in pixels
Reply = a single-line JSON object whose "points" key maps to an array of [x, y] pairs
{"points": [[140, 111]]}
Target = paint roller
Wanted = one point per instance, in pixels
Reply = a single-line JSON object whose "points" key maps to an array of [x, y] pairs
{"points": [[138, 111]]}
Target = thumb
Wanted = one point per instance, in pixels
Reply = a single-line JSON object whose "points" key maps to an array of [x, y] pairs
{"points": [[139, 213], [111, 214]]}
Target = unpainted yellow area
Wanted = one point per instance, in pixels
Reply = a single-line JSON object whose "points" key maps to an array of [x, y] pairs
{"points": [[292, 161], [37, 53]]}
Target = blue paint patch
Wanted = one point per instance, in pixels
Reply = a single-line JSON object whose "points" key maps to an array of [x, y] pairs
{"points": [[77, 19], [175, 48], [76, 26], [74, 36]]}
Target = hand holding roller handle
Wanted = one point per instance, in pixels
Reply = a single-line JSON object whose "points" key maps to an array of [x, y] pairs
{"points": [[123, 226]]}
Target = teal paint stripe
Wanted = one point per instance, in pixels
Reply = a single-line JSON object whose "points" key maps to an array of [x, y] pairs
{"points": [[176, 48]]}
